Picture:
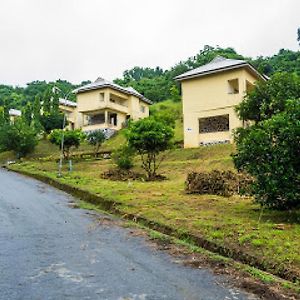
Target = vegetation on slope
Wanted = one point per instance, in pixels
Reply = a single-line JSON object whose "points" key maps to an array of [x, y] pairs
{"points": [[234, 223]]}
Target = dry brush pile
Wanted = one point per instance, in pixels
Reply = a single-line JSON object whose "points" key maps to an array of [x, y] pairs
{"points": [[223, 183]]}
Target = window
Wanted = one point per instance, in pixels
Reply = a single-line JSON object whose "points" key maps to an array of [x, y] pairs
{"points": [[96, 119], [142, 108], [113, 118], [214, 124], [233, 86], [249, 86], [101, 96]]}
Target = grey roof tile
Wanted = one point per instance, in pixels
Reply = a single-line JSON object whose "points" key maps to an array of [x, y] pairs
{"points": [[218, 64], [102, 83], [67, 102]]}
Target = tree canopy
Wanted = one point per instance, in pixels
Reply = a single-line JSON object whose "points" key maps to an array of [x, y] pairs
{"points": [[155, 83]]}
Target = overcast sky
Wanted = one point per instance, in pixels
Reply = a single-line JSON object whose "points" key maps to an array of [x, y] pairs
{"points": [[82, 39]]}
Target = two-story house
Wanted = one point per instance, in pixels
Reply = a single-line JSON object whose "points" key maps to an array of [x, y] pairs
{"points": [[209, 96], [106, 105]]}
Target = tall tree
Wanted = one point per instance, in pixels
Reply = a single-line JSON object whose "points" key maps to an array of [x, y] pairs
{"points": [[27, 114], [47, 101]]}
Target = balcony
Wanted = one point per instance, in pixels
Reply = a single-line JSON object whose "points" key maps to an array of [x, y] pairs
{"points": [[101, 121], [95, 101]]}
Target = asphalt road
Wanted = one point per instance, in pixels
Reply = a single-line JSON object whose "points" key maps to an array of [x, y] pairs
{"points": [[51, 251]]}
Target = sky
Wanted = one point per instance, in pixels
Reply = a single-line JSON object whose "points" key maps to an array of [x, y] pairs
{"points": [[81, 40]]}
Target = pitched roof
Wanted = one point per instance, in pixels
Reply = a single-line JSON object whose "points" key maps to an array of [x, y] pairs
{"points": [[218, 64], [102, 83], [66, 102], [15, 112]]}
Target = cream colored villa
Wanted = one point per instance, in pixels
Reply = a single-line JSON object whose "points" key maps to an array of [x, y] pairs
{"points": [[14, 114], [209, 96], [104, 105], [69, 108]]}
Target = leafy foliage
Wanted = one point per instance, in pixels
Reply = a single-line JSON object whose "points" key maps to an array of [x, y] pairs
{"points": [[149, 138], [52, 121], [123, 157], [270, 151], [71, 139], [96, 138], [269, 97], [18, 137]]}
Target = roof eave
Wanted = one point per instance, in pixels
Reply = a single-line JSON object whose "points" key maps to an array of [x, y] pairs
{"points": [[237, 66], [82, 90]]}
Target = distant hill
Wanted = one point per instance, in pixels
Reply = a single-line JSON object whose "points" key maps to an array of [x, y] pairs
{"points": [[155, 83]]}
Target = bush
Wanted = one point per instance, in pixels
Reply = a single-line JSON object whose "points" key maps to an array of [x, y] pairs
{"points": [[72, 138], [149, 138], [123, 157], [96, 138], [18, 137], [223, 183], [270, 152]]}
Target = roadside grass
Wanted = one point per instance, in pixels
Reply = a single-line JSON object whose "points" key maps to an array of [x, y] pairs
{"points": [[206, 256], [234, 222]]}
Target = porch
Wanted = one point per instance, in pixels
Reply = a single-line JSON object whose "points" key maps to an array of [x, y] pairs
{"points": [[103, 119]]}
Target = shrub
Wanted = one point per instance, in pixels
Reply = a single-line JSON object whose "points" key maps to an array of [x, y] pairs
{"points": [[149, 138], [270, 152], [96, 138], [269, 97], [18, 137], [123, 157], [72, 139]]}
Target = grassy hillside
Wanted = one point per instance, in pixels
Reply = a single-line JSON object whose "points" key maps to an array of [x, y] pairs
{"points": [[46, 149]]}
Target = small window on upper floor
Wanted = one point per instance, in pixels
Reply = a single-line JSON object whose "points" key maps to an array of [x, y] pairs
{"points": [[233, 86], [249, 86], [142, 108], [101, 96]]}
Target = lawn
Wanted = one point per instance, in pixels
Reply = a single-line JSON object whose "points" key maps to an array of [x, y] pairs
{"points": [[235, 223]]}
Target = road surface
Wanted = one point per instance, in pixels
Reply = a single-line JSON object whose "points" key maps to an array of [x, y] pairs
{"points": [[51, 251]]}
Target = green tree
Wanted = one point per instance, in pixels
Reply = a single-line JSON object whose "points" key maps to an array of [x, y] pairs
{"points": [[4, 115], [96, 138], [47, 101], [269, 97], [150, 138], [71, 138], [55, 103], [36, 111], [270, 152], [18, 137], [27, 114], [52, 121]]}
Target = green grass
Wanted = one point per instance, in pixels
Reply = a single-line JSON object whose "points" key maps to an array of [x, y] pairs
{"points": [[231, 222]]}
